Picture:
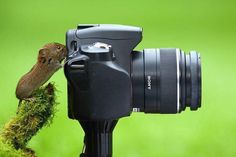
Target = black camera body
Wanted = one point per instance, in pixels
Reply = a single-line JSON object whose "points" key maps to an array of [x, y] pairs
{"points": [[108, 79], [99, 82]]}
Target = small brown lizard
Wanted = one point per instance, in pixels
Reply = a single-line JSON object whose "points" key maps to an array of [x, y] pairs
{"points": [[49, 61]]}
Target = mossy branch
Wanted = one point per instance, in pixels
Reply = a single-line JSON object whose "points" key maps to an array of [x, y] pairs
{"points": [[33, 114]]}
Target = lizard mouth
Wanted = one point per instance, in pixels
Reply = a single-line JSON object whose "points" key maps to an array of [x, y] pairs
{"points": [[63, 57], [61, 60]]}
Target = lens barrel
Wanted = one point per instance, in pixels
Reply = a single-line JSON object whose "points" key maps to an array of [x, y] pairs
{"points": [[166, 80]]}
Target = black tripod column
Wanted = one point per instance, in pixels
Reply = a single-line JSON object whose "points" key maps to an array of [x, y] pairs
{"points": [[98, 138]]}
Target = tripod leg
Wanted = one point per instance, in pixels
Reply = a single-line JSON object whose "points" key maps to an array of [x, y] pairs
{"points": [[84, 149], [98, 138]]}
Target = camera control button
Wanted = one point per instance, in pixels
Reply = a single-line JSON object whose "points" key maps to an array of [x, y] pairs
{"points": [[83, 26], [98, 51]]}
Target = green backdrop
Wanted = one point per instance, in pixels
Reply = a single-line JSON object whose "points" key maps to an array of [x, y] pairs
{"points": [[208, 26]]}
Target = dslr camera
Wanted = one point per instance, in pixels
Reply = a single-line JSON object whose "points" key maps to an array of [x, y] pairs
{"points": [[108, 79]]}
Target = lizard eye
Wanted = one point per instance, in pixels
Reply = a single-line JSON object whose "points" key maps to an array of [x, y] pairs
{"points": [[49, 61], [58, 47]]}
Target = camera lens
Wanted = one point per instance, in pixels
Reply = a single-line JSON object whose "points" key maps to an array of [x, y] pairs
{"points": [[166, 80]]}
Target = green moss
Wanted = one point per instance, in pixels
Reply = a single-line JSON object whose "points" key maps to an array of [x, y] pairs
{"points": [[7, 150], [33, 114]]}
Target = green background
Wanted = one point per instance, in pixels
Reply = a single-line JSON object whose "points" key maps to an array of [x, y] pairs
{"points": [[208, 26]]}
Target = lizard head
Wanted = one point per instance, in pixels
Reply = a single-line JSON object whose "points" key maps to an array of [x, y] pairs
{"points": [[52, 54]]}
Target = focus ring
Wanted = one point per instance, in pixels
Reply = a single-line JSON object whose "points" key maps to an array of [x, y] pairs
{"points": [[168, 81]]}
